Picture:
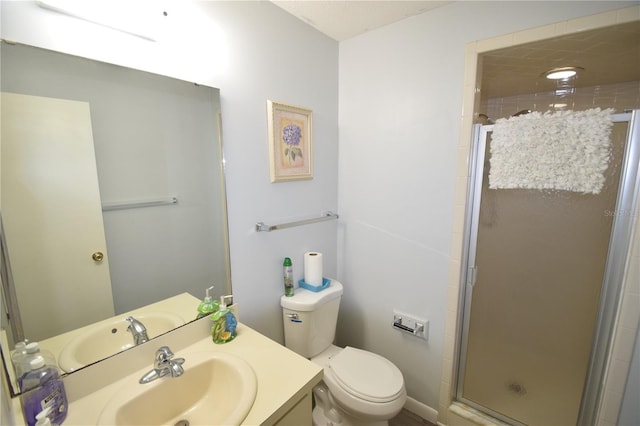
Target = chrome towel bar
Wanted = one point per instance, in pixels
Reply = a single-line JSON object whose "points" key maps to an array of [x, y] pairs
{"points": [[261, 227], [138, 204]]}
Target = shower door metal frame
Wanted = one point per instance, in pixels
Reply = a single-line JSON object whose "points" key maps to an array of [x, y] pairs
{"points": [[619, 244]]}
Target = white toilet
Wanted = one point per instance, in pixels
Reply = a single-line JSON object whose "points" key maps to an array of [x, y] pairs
{"points": [[359, 388]]}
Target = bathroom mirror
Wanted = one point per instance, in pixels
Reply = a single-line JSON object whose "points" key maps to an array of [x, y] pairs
{"points": [[157, 156]]}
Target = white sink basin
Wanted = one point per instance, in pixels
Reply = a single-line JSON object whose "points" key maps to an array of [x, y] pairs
{"points": [[108, 338], [216, 389]]}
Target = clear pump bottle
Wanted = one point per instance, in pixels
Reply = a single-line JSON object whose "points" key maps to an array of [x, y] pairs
{"points": [[31, 352], [17, 358]]}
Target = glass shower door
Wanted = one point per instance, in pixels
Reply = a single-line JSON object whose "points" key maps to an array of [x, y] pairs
{"points": [[536, 264]]}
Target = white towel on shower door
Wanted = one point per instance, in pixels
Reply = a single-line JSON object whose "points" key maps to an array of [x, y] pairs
{"points": [[562, 150]]}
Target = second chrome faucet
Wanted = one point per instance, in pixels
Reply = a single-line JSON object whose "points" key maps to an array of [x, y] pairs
{"points": [[164, 365]]}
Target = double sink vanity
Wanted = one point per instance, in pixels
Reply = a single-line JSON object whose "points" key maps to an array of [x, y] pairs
{"points": [[251, 380]]}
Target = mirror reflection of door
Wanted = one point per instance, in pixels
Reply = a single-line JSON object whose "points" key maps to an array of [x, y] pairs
{"points": [[48, 165]]}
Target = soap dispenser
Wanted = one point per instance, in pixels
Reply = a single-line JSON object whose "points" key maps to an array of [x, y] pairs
{"points": [[208, 305], [43, 387], [224, 322]]}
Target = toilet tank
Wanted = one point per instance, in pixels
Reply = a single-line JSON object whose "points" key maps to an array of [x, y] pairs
{"points": [[310, 319]]}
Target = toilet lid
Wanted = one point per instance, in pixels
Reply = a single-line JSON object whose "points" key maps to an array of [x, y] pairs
{"points": [[367, 375]]}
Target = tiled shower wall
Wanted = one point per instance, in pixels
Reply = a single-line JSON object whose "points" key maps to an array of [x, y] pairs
{"points": [[620, 97]]}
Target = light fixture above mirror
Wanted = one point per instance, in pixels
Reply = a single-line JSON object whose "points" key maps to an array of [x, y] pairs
{"points": [[139, 18]]}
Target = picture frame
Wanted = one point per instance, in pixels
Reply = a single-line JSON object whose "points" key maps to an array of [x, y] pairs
{"points": [[290, 142]]}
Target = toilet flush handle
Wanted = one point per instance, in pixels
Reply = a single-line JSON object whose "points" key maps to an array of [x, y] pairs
{"points": [[293, 316]]}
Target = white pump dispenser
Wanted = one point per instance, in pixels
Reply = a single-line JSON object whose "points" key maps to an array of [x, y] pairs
{"points": [[42, 418]]}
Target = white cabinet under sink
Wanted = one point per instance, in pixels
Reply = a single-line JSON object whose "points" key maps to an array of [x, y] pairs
{"points": [[299, 415]]}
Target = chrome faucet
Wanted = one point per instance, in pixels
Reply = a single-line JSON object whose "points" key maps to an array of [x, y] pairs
{"points": [[138, 331], [164, 365]]}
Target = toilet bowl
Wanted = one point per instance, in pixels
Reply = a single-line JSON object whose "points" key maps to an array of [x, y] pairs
{"points": [[364, 388], [359, 388]]}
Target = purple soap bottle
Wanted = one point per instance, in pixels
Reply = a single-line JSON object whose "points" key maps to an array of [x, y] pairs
{"points": [[42, 387]]}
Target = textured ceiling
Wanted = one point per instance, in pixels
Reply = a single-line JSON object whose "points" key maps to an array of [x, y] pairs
{"points": [[608, 55], [342, 20]]}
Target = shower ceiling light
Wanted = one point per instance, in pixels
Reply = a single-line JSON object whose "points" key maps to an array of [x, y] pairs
{"points": [[562, 73]]}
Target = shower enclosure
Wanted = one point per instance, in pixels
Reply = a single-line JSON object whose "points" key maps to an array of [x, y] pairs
{"points": [[542, 280]]}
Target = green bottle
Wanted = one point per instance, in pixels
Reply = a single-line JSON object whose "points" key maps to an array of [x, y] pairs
{"points": [[288, 277]]}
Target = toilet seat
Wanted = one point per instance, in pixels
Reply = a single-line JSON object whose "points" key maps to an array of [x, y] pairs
{"points": [[366, 375]]}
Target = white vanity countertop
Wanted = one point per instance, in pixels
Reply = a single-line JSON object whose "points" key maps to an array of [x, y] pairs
{"points": [[283, 376]]}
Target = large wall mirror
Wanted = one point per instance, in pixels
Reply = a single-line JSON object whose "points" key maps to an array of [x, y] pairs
{"points": [[112, 193]]}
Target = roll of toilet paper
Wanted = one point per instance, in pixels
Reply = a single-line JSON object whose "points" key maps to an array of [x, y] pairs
{"points": [[313, 268]]}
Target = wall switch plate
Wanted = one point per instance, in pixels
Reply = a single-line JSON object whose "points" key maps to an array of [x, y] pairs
{"points": [[411, 324]]}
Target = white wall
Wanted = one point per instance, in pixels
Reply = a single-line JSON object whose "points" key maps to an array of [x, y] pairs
{"points": [[252, 51], [398, 177]]}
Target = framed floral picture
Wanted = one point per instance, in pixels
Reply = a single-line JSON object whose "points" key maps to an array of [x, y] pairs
{"points": [[290, 145]]}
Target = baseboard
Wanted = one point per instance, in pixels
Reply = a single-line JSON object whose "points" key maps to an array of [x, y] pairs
{"points": [[422, 410]]}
